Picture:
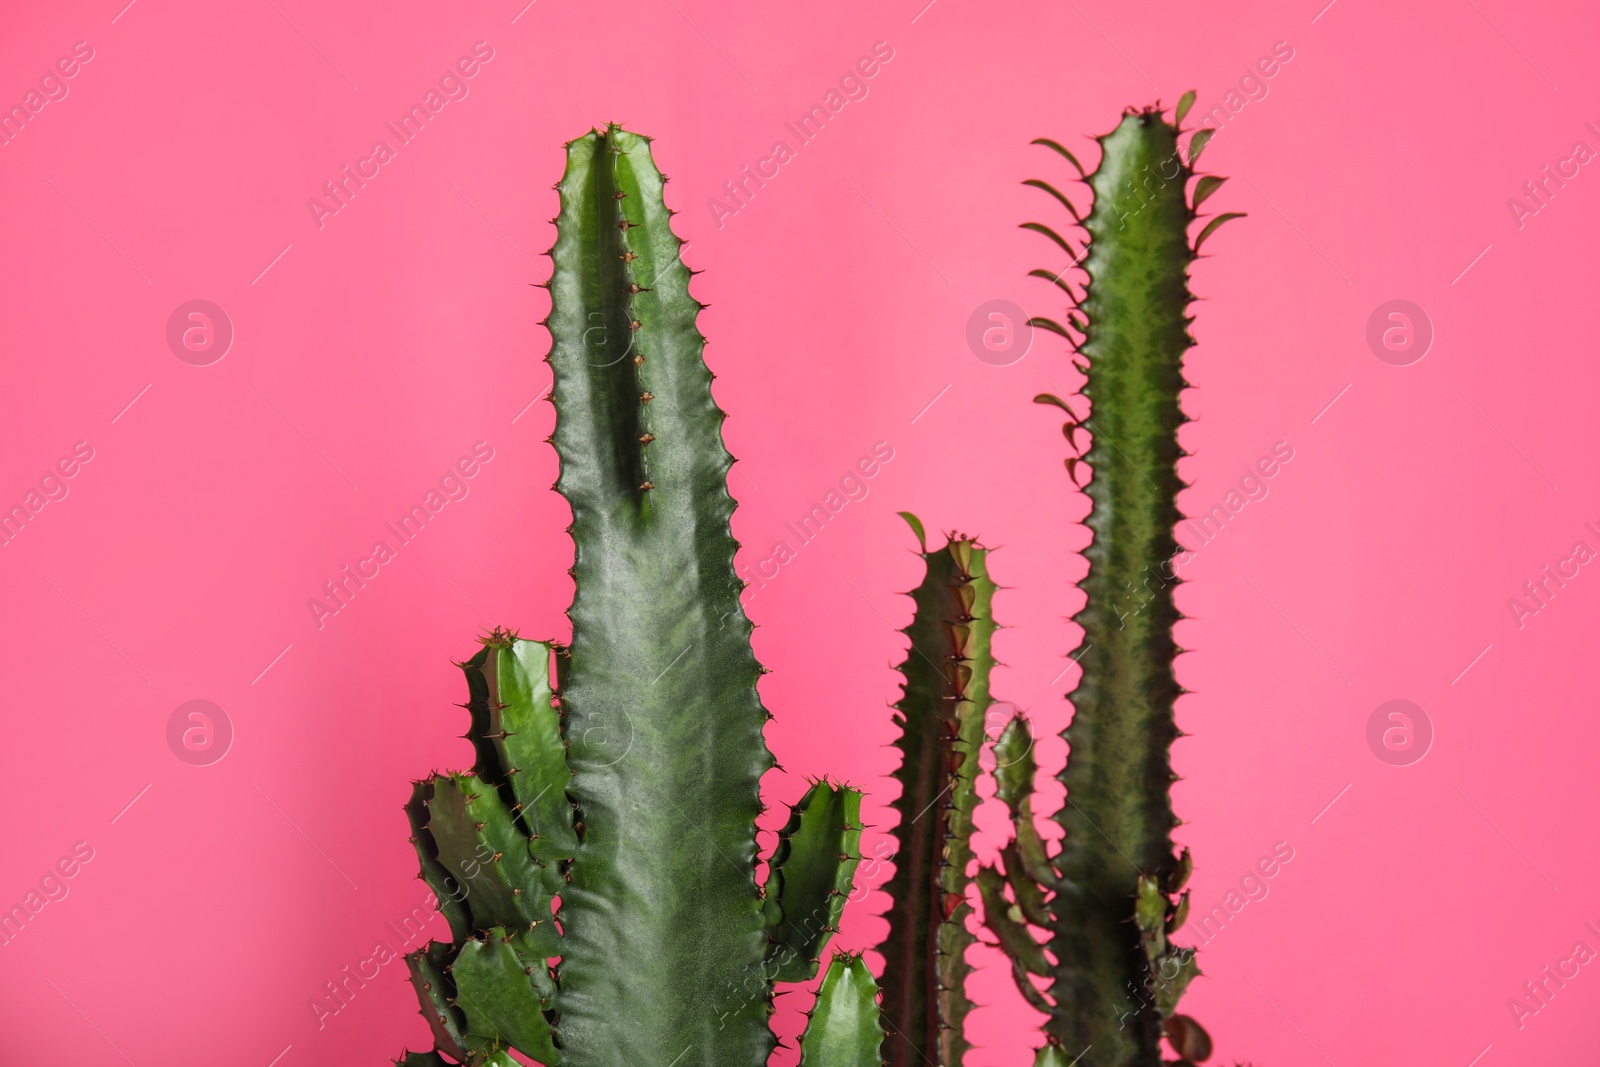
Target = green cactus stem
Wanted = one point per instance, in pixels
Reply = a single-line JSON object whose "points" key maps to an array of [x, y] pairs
{"points": [[1112, 885], [597, 865], [664, 724], [809, 879], [941, 718], [842, 1029]]}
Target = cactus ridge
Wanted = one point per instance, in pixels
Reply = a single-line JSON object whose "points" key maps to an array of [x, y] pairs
{"points": [[941, 715], [597, 864]]}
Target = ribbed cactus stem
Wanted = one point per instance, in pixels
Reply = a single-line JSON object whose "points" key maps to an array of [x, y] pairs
{"points": [[628, 791], [1116, 978], [664, 724], [843, 1029], [941, 717]]}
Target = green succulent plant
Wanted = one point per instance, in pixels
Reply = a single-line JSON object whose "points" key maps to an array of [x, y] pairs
{"points": [[597, 865], [1087, 924], [1115, 892]]}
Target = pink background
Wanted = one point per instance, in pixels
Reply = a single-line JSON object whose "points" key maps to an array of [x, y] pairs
{"points": [[380, 347]]}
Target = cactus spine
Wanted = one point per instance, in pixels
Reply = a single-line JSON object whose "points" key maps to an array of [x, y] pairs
{"points": [[941, 717], [629, 788]]}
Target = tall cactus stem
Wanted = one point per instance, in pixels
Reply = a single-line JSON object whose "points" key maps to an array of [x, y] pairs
{"points": [[1117, 978], [941, 716]]}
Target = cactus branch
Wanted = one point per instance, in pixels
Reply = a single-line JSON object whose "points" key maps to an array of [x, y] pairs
{"points": [[809, 878], [843, 1029], [941, 717]]}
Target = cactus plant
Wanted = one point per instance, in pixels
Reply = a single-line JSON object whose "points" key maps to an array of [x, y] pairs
{"points": [[1093, 918], [597, 865], [1115, 887], [941, 715]]}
